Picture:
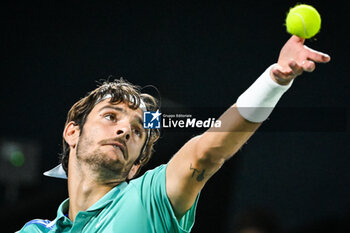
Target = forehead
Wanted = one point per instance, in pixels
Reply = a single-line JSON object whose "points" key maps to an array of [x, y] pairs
{"points": [[122, 105]]}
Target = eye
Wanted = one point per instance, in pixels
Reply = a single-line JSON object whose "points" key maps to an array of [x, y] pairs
{"points": [[138, 132], [111, 117]]}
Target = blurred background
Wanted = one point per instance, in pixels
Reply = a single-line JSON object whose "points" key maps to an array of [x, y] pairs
{"points": [[288, 178]]}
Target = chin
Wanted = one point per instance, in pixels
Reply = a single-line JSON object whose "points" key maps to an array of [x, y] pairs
{"points": [[113, 172], [115, 154]]}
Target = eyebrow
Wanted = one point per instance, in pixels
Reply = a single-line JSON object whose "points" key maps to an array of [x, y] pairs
{"points": [[119, 109]]}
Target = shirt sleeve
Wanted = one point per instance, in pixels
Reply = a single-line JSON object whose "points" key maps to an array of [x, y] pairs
{"points": [[36, 226], [152, 190]]}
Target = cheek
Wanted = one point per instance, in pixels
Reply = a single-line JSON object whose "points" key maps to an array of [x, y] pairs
{"points": [[136, 149], [89, 136], [96, 130]]}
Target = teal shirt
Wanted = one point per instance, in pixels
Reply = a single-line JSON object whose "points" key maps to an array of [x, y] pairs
{"points": [[142, 206]]}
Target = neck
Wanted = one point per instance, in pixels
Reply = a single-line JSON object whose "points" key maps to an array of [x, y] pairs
{"points": [[84, 188]]}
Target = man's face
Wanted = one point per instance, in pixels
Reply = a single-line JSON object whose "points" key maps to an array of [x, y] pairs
{"points": [[111, 140]]}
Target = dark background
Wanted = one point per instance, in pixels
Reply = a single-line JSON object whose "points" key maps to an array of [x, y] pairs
{"points": [[198, 54]]}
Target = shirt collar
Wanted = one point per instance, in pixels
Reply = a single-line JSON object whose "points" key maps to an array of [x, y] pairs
{"points": [[108, 197], [63, 209]]}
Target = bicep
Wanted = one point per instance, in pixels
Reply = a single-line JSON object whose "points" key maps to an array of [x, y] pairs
{"points": [[186, 174]]}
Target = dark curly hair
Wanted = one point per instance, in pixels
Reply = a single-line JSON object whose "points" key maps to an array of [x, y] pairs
{"points": [[120, 91]]}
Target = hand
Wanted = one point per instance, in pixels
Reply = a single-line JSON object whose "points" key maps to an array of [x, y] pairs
{"points": [[294, 59]]}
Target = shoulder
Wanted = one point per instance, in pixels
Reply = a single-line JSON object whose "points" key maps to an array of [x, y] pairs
{"points": [[156, 174], [155, 170], [159, 170]]}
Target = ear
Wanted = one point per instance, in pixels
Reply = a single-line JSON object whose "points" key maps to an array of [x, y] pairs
{"points": [[133, 171], [71, 134]]}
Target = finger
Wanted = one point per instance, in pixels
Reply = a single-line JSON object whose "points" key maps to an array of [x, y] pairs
{"points": [[317, 56], [308, 66], [295, 67]]}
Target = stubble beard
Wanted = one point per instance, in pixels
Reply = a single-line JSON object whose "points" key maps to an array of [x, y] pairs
{"points": [[105, 168]]}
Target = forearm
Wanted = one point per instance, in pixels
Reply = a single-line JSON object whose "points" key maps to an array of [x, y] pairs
{"points": [[218, 145], [242, 119]]}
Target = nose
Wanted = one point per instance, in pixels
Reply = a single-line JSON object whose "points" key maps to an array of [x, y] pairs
{"points": [[124, 132]]}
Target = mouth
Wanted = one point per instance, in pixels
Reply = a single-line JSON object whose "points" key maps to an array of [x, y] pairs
{"points": [[118, 145]]}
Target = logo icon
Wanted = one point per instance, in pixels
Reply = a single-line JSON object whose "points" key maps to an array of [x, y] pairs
{"points": [[151, 120]]}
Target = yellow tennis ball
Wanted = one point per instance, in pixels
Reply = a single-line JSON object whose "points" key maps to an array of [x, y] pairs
{"points": [[303, 21]]}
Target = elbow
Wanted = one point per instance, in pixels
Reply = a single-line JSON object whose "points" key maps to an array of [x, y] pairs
{"points": [[213, 155]]}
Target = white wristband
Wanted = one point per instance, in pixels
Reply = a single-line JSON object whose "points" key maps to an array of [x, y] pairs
{"points": [[258, 101]]}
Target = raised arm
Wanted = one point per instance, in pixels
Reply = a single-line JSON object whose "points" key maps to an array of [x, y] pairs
{"points": [[202, 156]]}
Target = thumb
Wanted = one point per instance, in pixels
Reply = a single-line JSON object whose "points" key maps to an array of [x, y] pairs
{"points": [[297, 39]]}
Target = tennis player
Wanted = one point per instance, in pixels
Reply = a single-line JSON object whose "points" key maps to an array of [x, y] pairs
{"points": [[105, 146]]}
